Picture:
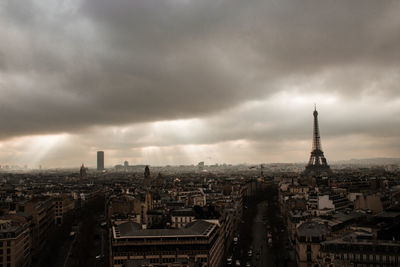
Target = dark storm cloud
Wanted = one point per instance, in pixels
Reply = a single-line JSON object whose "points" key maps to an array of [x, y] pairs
{"points": [[69, 66], [266, 123]]}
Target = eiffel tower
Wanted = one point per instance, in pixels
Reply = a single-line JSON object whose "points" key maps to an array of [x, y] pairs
{"points": [[317, 165]]}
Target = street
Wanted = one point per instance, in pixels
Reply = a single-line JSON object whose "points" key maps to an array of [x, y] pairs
{"points": [[261, 254], [261, 221]]}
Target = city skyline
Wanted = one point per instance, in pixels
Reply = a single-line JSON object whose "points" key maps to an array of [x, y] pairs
{"points": [[181, 82]]}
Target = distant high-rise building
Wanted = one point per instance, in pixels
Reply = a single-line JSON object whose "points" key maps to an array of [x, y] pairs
{"points": [[200, 165], [126, 164], [147, 172], [82, 171], [317, 165], [100, 160]]}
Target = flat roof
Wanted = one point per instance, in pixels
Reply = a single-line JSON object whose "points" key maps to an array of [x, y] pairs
{"points": [[352, 238], [312, 229], [388, 214], [134, 230]]}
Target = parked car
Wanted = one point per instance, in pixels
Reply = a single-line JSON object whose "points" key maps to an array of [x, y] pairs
{"points": [[229, 260]]}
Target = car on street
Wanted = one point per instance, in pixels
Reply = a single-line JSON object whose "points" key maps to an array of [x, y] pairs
{"points": [[270, 242], [250, 253], [229, 260]]}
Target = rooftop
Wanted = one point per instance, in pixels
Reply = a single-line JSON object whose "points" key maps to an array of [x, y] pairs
{"points": [[312, 229], [183, 212], [389, 215], [360, 238], [134, 230]]}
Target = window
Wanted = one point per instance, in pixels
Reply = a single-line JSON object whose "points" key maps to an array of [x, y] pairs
{"points": [[203, 259], [118, 261], [315, 239]]}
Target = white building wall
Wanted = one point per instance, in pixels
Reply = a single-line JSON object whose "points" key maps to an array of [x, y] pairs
{"points": [[325, 203]]}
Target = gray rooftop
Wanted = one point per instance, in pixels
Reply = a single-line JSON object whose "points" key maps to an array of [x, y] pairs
{"points": [[299, 214], [183, 212], [343, 217], [354, 238], [388, 214], [133, 230], [312, 229]]}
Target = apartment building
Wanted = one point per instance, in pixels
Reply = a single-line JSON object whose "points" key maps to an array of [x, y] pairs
{"points": [[357, 249], [15, 244], [42, 212], [62, 205], [199, 242]]}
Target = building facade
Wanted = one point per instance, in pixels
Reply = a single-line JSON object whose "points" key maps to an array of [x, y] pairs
{"points": [[15, 244], [62, 205], [180, 218], [42, 212], [352, 250], [198, 243], [100, 160], [309, 236]]}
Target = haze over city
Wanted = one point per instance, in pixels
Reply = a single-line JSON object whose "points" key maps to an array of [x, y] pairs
{"points": [[182, 81]]}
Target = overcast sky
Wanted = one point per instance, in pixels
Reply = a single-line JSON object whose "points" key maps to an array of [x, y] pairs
{"points": [[182, 81]]}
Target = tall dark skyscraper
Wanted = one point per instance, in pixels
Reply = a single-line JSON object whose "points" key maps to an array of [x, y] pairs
{"points": [[147, 172], [82, 171], [317, 165], [100, 160]]}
